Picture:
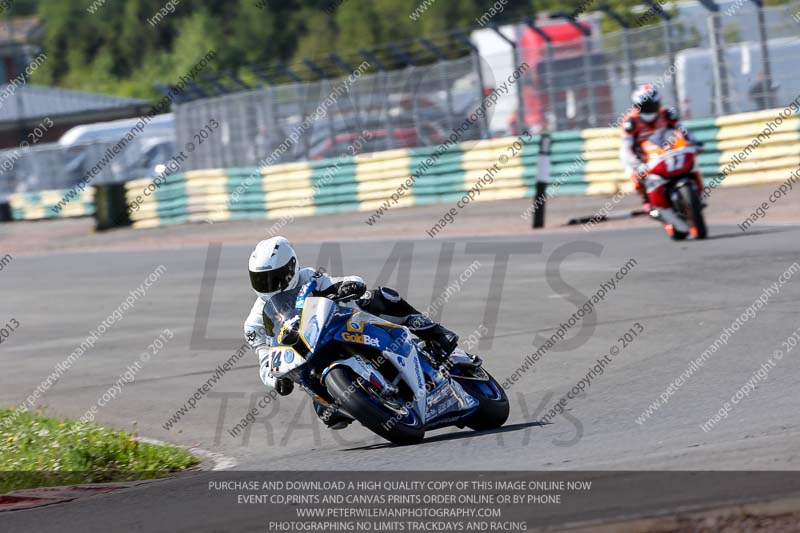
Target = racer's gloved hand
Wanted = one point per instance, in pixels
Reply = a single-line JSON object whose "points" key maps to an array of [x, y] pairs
{"points": [[351, 290], [642, 171], [672, 114], [284, 386]]}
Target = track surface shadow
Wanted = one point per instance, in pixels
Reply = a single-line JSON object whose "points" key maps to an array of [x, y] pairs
{"points": [[746, 234], [451, 436]]}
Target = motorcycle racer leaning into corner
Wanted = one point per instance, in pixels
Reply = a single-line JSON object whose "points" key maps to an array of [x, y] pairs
{"points": [[273, 269], [647, 120]]}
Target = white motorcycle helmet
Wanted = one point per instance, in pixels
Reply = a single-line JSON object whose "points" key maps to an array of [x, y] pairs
{"points": [[273, 267]]}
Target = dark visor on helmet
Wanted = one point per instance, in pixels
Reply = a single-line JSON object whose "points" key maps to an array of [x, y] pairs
{"points": [[649, 106], [273, 280]]}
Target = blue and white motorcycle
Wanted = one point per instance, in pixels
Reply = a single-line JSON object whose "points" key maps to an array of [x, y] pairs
{"points": [[375, 371]]}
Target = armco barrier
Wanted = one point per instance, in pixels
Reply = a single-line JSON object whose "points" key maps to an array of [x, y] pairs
{"points": [[362, 183], [41, 205], [582, 162], [776, 155]]}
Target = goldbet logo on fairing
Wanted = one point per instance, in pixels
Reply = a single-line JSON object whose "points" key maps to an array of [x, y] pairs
{"points": [[361, 339]]}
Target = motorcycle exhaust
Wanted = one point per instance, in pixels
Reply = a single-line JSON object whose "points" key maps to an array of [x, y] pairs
{"points": [[668, 216]]}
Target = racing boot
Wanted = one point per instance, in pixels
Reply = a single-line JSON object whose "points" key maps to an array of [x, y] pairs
{"points": [[439, 336], [641, 188], [441, 341]]}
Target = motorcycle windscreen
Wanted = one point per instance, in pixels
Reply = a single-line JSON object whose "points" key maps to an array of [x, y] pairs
{"points": [[280, 308], [317, 312]]}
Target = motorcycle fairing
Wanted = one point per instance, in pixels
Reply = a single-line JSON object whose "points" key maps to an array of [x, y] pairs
{"points": [[284, 360], [446, 397], [362, 368], [656, 160], [366, 329], [323, 321]]}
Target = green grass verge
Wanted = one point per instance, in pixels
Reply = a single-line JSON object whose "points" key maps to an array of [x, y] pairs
{"points": [[38, 451]]}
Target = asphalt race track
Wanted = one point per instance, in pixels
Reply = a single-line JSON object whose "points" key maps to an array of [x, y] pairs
{"points": [[681, 295]]}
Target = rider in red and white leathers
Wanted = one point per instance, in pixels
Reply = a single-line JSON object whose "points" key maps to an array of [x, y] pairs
{"points": [[647, 120]]}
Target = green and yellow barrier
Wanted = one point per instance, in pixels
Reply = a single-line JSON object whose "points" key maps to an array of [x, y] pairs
{"points": [[760, 147], [43, 204], [582, 163]]}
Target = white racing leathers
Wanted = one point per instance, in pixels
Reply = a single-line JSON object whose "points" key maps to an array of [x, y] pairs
{"points": [[255, 332]]}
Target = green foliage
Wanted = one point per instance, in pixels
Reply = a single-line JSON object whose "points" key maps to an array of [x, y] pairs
{"points": [[116, 50], [37, 450]]}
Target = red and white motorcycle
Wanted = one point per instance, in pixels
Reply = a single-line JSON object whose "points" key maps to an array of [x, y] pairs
{"points": [[673, 187]]}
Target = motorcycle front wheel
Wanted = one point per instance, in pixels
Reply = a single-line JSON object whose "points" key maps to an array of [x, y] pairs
{"points": [[387, 417], [493, 408], [693, 211]]}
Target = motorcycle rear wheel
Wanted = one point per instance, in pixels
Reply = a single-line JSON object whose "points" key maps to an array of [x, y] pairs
{"points": [[357, 396]]}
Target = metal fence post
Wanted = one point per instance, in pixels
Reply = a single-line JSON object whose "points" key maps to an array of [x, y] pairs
{"points": [[326, 88], [671, 58], [552, 95], [413, 82], [548, 77], [587, 62], [630, 67], [722, 101], [767, 66], [386, 106], [587, 74], [270, 96], [668, 48], [352, 95], [521, 115], [476, 59], [442, 79]]}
